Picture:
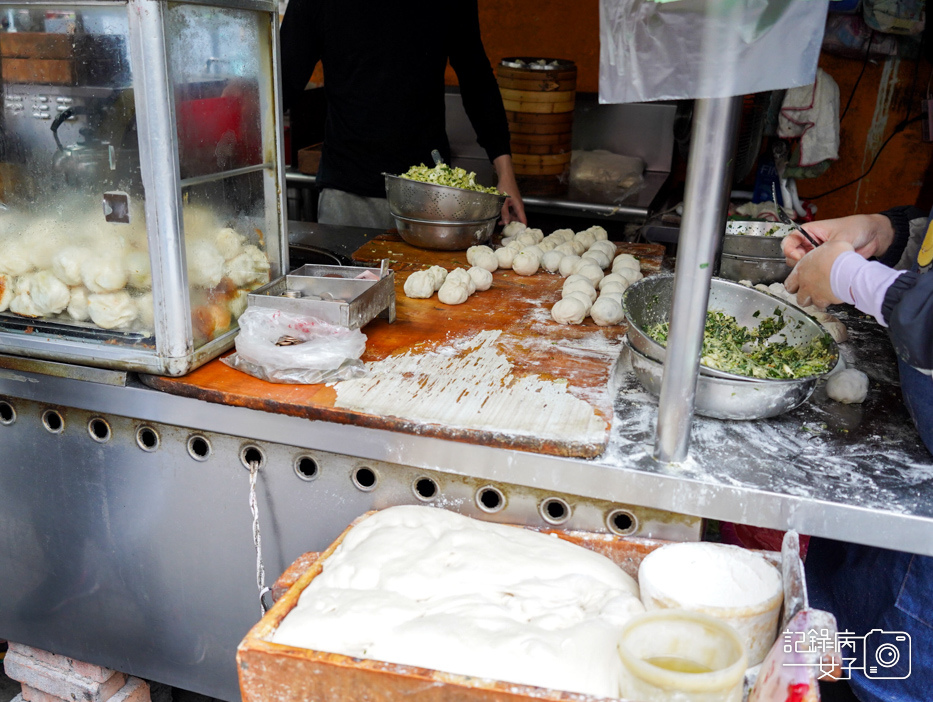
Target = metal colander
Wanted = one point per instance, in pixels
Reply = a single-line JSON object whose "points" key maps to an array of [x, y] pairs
{"points": [[439, 203]]}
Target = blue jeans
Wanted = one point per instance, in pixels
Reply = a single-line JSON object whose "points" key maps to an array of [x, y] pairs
{"points": [[875, 590]]}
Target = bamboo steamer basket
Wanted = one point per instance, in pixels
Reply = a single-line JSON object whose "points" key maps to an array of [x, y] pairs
{"points": [[539, 99]]}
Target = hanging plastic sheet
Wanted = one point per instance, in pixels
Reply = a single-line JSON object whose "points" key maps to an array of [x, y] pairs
{"points": [[684, 49]]}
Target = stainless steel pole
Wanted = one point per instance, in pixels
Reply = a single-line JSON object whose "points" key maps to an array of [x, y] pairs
{"points": [[709, 176]]}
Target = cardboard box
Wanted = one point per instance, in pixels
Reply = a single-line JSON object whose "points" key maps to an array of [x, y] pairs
{"points": [[309, 159]]}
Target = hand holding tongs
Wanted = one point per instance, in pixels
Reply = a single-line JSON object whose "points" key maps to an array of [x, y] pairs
{"points": [[782, 215]]}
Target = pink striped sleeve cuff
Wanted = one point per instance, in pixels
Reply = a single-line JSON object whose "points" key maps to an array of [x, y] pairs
{"points": [[862, 283]]}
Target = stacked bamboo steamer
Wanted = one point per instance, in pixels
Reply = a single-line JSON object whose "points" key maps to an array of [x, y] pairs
{"points": [[539, 95]]}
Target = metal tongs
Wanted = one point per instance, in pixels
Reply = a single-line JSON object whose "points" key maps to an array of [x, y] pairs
{"points": [[785, 219]]}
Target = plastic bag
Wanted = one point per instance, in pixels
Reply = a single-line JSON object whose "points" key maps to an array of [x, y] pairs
{"points": [[316, 352], [685, 49], [611, 176]]}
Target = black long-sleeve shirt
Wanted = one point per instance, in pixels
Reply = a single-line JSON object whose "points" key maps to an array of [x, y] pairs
{"points": [[384, 66]]}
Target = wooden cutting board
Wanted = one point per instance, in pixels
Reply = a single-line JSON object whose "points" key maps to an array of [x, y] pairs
{"points": [[495, 370]]}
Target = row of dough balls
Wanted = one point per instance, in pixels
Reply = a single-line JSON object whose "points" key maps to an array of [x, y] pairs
{"points": [[579, 296], [830, 323], [526, 250], [452, 288]]}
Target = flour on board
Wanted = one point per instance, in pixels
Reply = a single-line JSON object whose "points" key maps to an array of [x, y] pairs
{"points": [[474, 390]]}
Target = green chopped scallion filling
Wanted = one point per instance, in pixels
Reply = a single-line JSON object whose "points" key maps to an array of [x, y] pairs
{"points": [[443, 174]]}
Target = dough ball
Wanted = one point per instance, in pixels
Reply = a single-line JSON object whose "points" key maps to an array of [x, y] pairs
{"points": [[613, 287], [6, 291], [145, 313], [598, 233], [573, 278], [537, 234], [562, 234], [746, 283], [849, 386], [607, 247], [591, 271], [602, 260], [565, 249], [606, 311], [546, 245], [582, 297], [517, 246], [438, 275], [612, 296], [66, 263], [534, 250], [419, 285], [507, 240], [551, 261], [525, 263], [583, 286], [761, 287], [14, 257], [613, 278], [526, 239], [569, 311], [474, 251], [138, 271], [23, 305], [514, 228], [578, 247], [49, 294], [482, 278], [249, 268], [777, 289], [626, 261], [112, 310], [105, 273], [504, 257], [577, 265], [586, 237], [461, 277], [453, 293], [486, 260], [567, 264], [229, 243], [77, 305], [209, 320], [837, 330], [628, 274]]}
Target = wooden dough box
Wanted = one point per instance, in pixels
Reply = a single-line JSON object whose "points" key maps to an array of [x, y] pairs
{"points": [[271, 672]]}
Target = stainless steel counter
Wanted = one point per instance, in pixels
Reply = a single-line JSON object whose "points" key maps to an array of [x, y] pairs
{"points": [[139, 556]]}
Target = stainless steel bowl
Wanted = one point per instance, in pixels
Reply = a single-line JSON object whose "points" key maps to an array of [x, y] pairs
{"points": [[446, 236], [751, 238], [648, 302], [722, 398], [413, 199], [754, 269]]}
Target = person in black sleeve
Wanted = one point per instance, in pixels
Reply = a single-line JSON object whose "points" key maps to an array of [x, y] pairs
{"points": [[384, 66], [877, 593]]}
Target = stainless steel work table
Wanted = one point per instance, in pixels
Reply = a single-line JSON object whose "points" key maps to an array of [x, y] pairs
{"points": [[141, 558]]}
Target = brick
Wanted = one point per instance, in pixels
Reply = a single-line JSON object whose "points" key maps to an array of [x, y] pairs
{"points": [[58, 683], [54, 660], [135, 690], [31, 694]]}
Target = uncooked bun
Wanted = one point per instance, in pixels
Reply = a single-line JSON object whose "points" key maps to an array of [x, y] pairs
{"points": [[505, 256], [849, 386], [569, 311], [482, 278], [567, 264], [551, 261], [525, 263], [606, 311], [453, 293], [419, 285]]}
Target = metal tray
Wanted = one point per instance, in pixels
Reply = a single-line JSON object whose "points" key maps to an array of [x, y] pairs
{"points": [[751, 238], [333, 294]]}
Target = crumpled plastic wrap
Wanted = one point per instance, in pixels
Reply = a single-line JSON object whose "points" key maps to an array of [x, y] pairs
{"points": [[315, 351], [686, 49]]}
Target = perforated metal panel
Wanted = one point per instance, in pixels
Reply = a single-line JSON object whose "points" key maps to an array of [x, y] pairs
{"points": [[439, 203]]}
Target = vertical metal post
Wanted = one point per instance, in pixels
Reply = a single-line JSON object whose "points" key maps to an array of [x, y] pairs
{"points": [[709, 176]]}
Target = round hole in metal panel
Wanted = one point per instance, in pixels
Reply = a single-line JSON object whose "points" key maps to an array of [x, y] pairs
{"points": [[365, 479], [425, 489], [490, 499], [53, 421], [306, 468], [250, 454], [147, 439], [555, 510], [621, 522], [199, 448], [7, 413], [99, 430]]}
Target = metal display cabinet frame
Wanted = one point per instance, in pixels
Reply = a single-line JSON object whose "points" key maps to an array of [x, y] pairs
{"points": [[175, 352]]}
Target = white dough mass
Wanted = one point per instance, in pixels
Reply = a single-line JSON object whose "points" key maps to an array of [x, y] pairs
{"points": [[606, 311], [453, 293], [849, 386], [525, 263], [505, 256], [419, 285], [569, 310], [112, 310], [568, 263], [482, 278], [438, 275], [551, 261]]}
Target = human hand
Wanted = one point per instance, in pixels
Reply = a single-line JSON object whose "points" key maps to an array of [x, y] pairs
{"points": [[513, 209], [810, 277], [869, 235]]}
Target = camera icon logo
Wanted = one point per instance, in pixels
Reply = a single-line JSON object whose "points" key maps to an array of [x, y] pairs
{"points": [[886, 655]]}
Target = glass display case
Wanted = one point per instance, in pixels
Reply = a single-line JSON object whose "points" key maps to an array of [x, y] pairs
{"points": [[141, 178]]}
